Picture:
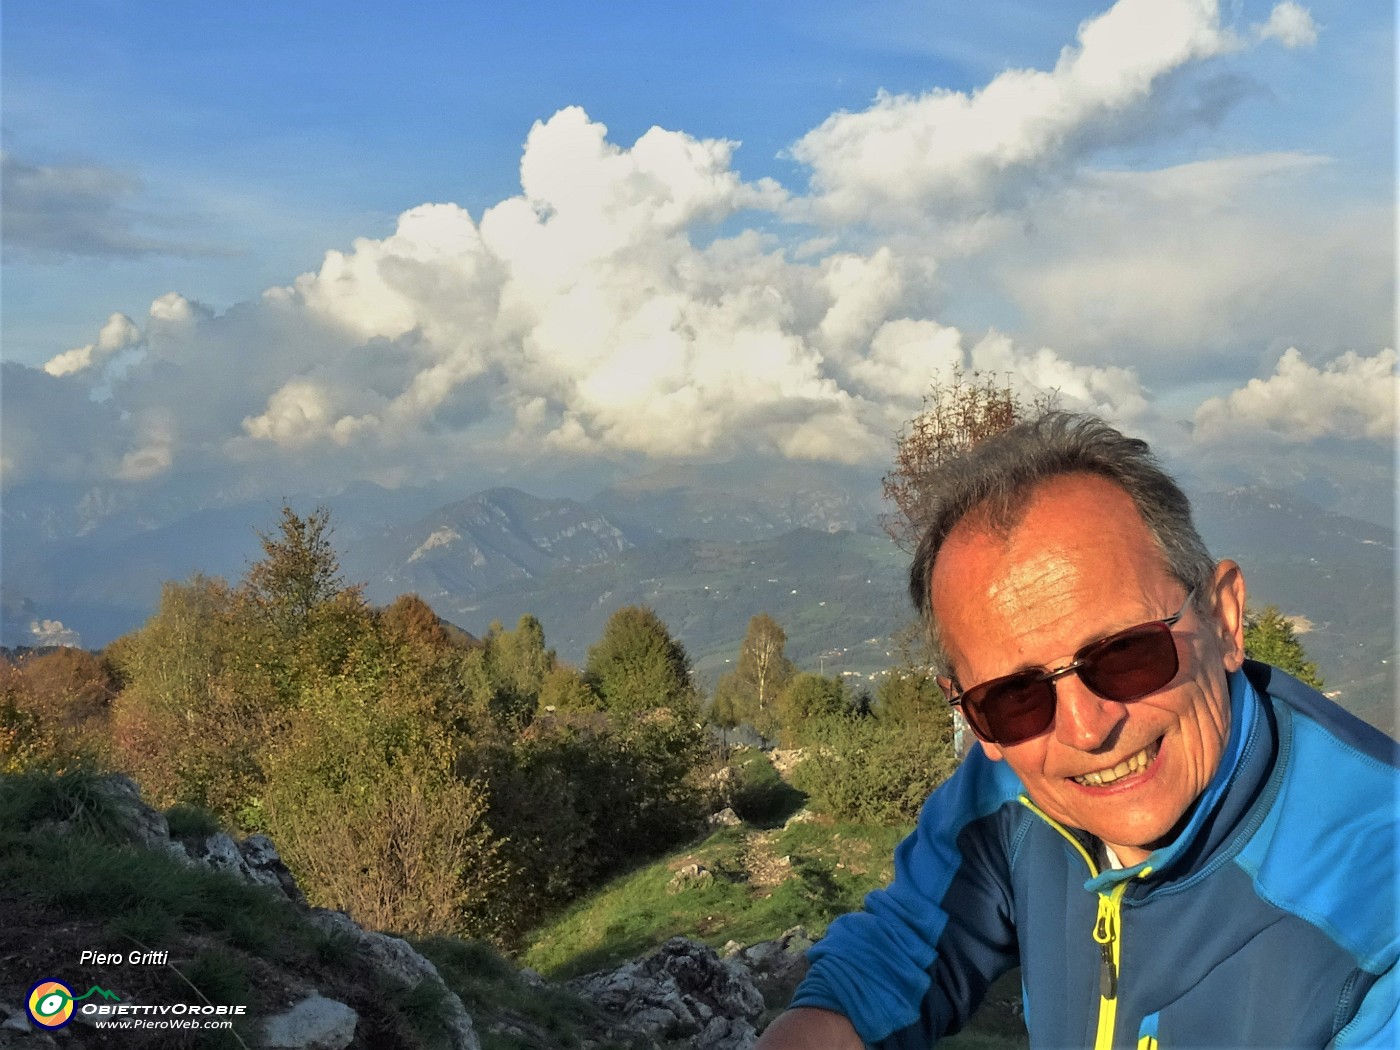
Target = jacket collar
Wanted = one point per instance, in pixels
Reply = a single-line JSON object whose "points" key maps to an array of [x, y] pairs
{"points": [[1214, 830]]}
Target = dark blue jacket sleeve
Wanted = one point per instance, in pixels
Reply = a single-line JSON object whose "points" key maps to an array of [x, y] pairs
{"points": [[915, 962]]}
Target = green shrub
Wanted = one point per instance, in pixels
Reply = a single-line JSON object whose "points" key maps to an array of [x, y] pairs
{"points": [[805, 704], [872, 771], [580, 796]]}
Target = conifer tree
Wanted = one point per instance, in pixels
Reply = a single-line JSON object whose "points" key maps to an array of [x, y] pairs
{"points": [[1271, 638]]}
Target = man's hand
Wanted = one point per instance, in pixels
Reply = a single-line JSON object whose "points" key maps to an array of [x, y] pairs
{"points": [[807, 1028]]}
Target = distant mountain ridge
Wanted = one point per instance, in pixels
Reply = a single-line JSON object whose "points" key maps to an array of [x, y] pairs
{"points": [[724, 502], [707, 547], [488, 540]]}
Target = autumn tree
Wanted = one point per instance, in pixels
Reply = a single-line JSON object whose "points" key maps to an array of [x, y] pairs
{"points": [[54, 709], [955, 416], [410, 620], [636, 665], [1271, 638], [187, 726]]}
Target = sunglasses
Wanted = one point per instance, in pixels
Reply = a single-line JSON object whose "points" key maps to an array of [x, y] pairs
{"points": [[1127, 665]]}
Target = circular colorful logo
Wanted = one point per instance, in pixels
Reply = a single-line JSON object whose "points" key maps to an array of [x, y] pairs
{"points": [[50, 1004]]}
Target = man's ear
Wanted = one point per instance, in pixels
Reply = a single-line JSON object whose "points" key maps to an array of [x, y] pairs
{"points": [[1227, 608]]}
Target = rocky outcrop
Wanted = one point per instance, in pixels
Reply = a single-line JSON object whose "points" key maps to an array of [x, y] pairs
{"points": [[776, 966], [681, 991], [313, 1021], [683, 994], [396, 960]]}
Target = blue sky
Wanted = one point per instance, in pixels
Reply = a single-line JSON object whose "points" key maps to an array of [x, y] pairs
{"points": [[1194, 235]]}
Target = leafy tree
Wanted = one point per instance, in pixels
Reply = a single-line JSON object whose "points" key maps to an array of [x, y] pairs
{"points": [[179, 650], [732, 703], [566, 689], [1270, 637], [955, 416], [750, 693], [187, 725], [636, 665], [762, 661], [519, 663], [580, 795], [363, 799]]}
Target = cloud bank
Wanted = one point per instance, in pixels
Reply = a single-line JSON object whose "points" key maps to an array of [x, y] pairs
{"points": [[645, 302], [56, 212]]}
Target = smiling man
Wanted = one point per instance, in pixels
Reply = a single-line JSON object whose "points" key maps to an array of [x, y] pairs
{"points": [[1179, 847]]}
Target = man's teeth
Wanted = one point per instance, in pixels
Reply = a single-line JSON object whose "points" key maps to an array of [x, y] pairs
{"points": [[1122, 769]]}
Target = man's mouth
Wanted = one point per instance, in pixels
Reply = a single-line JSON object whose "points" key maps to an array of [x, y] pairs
{"points": [[1131, 764]]}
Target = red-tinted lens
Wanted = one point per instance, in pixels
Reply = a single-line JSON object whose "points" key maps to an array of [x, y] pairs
{"points": [[1130, 664], [1011, 709]]}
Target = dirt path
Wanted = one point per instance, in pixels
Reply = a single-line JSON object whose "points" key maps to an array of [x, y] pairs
{"points": [[764, 867]]}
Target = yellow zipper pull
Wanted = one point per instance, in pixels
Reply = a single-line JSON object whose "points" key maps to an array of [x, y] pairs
{"points": [[1105, 933]]}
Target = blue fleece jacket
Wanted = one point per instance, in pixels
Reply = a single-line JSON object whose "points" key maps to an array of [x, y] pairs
{"points": [[1270, 921]]}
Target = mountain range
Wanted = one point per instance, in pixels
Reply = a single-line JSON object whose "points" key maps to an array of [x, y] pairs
{"points": [[707, 547]]}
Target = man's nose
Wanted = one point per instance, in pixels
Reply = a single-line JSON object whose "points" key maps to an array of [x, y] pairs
{"points": [[1084, 720]]}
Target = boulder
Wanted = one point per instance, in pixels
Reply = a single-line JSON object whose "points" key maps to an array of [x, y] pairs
{"points": [[315, 1023], [726, 1033], [777, 966], [802, 816], [725, 818], [264, 865], [254, 860]]}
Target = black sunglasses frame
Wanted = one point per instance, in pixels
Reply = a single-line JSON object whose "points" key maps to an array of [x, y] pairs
{"points": [[1084, 657]]}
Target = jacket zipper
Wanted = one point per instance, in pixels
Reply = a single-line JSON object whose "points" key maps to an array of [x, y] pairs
{"points": [[1106, 933]]}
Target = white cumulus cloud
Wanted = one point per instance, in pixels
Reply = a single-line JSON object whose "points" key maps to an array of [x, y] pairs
{"points": [[52, 632], [1350, 397], [644, 301], [953, 152]]}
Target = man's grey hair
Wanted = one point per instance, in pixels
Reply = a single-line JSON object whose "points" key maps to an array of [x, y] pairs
{"points": [[996, 478]]}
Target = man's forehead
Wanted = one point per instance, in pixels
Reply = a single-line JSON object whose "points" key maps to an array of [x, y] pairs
{"points": [[1060, 523]]}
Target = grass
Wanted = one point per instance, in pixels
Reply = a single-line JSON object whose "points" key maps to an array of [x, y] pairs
{"points": [[191, 822], [832, 867]]}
